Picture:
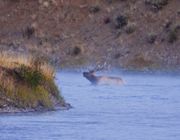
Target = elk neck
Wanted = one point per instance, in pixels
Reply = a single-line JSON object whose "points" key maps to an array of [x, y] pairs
{"points": [[91, 77]]}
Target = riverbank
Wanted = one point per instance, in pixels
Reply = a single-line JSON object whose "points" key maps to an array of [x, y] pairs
{"points": [[27, 84]]}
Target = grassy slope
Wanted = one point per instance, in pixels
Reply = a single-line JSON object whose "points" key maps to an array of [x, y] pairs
{"points": [[27, 84], [80, 32]]}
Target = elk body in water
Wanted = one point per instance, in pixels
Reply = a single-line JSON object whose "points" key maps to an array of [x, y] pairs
{"points": [[102, 79]]}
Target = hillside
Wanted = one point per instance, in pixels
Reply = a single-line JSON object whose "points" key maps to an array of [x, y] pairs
{"points": [[124, 33]]}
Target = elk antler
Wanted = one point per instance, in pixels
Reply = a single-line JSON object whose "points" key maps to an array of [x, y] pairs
{"points": [[99, 67]]}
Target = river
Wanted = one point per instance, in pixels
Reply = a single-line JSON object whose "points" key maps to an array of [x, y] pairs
{"points": [[147, 107]]}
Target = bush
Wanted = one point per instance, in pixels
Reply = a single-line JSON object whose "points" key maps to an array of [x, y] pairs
{"points": [[107, 20], [121, 21], [94, 9], [112, 1], [173, 34], [117, 55], [130, 29], [172, 37], [76, 51], [26, 86], [156, 4], [31, 76], [29, 32], [151, 38]]}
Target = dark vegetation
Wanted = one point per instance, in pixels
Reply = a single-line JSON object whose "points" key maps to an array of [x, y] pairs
{"points": [[156, 4], [94, 9], [174, 34], [121, 21], [152, 38]]}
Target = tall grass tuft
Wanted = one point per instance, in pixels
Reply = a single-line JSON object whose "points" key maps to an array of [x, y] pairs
{"points": [[13, 60], [27, 82]]}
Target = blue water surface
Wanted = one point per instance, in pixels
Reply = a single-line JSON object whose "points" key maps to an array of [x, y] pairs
{"points": [[147, 107]]}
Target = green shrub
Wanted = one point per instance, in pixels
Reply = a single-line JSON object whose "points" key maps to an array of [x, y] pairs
{"points": [[30, 76]]}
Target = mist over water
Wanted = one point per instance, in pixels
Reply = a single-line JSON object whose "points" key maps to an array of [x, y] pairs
{"points": [[147, 107]]}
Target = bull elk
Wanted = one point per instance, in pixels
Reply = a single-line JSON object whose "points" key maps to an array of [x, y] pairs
{"points": [[95, 80]]}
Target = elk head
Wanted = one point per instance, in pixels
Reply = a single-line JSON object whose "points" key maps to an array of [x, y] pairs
{"points": [[90, 75]]}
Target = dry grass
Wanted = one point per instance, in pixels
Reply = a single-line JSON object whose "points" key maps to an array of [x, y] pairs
{"points": [[6, 82], [13, 60], [27, 82]]}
